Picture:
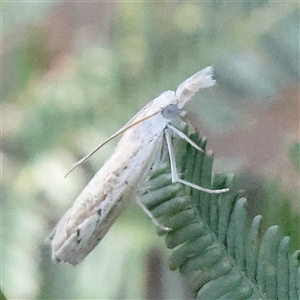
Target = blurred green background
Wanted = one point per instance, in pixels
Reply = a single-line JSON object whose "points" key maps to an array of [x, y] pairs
{"points": [[75, 72]]}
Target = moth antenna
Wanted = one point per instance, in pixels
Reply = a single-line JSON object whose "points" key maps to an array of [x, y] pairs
{"points": [[119, 132]]}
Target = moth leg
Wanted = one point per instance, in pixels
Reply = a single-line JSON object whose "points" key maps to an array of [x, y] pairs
{"points": [[185, 137], [174, 172], [149, 214]]}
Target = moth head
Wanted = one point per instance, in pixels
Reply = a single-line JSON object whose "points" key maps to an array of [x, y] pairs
{"points": [[170, 112]]}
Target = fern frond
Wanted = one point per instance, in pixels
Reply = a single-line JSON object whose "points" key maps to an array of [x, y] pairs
{"points": [[214, 248]]}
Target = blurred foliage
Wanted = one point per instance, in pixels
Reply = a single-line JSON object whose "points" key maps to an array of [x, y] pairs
{"points": [[282, 45], [2, 297], [294, 155], [277, 208], [73, 73]]}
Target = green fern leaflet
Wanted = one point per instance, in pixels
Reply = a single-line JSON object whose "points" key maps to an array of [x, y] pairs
{"points": [[213, 247]]}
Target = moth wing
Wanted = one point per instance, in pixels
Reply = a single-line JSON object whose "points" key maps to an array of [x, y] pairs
{"points": [[187, 89], [141, 113], [184, 92]]}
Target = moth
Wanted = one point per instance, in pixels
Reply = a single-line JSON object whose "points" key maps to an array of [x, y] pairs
{"points": [[95, 210]]}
